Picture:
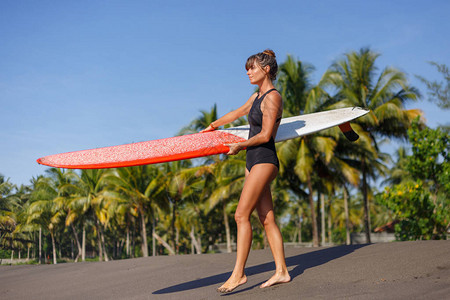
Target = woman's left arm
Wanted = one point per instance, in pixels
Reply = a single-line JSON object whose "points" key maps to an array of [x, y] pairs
{"points": [[271, 107]]}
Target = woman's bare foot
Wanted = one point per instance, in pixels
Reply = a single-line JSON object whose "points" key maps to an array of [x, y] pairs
{"points": [[278, 278], [231, 284]]}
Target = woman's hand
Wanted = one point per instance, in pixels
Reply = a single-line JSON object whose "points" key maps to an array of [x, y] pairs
{"points": [[234, 148], [209, 128]]}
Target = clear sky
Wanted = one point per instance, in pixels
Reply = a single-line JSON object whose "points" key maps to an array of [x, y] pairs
{"points": [[85, 74]]}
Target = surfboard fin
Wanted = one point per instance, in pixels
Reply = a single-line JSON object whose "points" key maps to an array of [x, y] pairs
{"points": [[348, 131]]}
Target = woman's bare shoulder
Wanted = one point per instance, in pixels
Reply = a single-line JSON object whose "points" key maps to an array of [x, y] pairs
{"points": [[273, 99], [251, 99], [253, 96]]}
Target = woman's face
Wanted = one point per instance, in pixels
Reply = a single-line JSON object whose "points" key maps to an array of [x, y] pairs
{"points": [[256, 74]]}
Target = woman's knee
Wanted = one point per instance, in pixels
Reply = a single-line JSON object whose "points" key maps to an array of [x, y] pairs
{"points": [[241, 217], [267, 219]]}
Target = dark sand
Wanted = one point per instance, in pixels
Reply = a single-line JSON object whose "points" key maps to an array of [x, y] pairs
{"points": [[399, 270]]}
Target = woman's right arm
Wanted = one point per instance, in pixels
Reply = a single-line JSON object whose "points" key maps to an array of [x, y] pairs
{"points": [[232, 115]]}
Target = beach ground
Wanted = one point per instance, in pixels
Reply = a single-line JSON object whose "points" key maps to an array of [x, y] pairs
{"points": [[397, 270]]}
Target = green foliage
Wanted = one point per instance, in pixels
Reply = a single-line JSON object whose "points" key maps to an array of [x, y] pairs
{"points": [[444, 179], [431, 156], [422, 205], [413, 207], [5, 253]]}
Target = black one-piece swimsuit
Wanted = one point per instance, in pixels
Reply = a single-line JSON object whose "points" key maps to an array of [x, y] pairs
{"points": [[264, 153]]}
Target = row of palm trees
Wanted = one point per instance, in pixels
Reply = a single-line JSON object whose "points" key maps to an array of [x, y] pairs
{"points": [[187, 205]]}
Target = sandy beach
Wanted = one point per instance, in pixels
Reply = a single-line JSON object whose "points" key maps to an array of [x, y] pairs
{"points": [[398, 270]]}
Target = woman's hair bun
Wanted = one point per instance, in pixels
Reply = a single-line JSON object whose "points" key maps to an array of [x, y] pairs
{"points": [[269, 52]]}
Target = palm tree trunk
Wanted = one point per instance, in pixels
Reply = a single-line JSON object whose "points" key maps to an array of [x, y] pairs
{"points": [[153, 239], [191, 234], [322, 218], [144, 234], [128, 242], [366, 202], [194, 243], [330, 234], [172, 225], [227, 228], [313, 214], [53, 246], [163, 242], [300, 228], [102, 236], [199, 243], [133, 240], [33, 246], [40, 244], [347, 221], [83, 241], [77, 241], [177, 240], [99, 243]]}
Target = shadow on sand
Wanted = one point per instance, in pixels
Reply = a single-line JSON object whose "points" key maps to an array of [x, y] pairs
{"points": [[301, 263]]}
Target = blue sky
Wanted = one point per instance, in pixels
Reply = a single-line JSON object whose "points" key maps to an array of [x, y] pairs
{"points": [[84, 74]]}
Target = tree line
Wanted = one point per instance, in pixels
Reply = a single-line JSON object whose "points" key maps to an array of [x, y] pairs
{"points": [[327, 187]]}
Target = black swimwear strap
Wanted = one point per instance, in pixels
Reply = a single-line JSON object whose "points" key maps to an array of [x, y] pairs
{"points": [[279, 119], [267, 92]]}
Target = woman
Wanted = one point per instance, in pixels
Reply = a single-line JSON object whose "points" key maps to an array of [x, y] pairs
{"points": [[264, 111]]}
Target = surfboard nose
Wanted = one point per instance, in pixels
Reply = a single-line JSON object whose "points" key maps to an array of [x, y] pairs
{"points": [[348, 131]]}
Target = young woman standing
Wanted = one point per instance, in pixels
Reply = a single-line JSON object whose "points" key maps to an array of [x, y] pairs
{"points": [[264, 110]]}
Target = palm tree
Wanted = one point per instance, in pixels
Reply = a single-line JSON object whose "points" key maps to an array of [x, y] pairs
{"points": [[66, 187], [9, 206], [76, 212], [294, 85], [46, 207], [302, 157], [343, 170], [92, 202], [180, 184], [190, 221], [348, 216], [301, 161], [358, 85], [317, 160], [23, 232], [140, 187]]}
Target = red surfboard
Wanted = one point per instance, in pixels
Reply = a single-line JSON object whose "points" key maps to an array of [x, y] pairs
{"points": [[151, 152]]}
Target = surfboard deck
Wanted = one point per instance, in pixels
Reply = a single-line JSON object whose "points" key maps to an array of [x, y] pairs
{"points": [[197, 144]]}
